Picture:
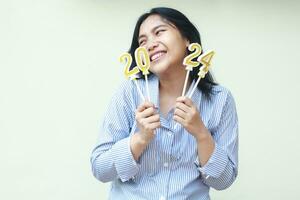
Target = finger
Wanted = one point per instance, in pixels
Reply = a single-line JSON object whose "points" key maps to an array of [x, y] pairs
{"points": [[148, 104], [180, 113], [141, 108], [152, 119], [144, 105], [179, 120], [182, 106], [180, 99], [154, 125], [185, 100], [147, 112]]}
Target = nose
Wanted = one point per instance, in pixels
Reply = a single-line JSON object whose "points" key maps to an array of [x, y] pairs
{"points": [[152, 45]]}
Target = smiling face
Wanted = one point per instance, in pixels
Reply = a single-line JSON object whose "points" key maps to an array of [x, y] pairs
{"points": [[166, 46]]}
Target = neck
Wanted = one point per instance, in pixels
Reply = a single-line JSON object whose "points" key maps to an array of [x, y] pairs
{"points": [[172, 83]]}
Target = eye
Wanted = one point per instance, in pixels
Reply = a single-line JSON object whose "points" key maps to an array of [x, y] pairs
{"points": [[141, 42], [159, 31]]}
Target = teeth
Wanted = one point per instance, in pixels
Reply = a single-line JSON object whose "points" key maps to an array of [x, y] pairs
{"points": [[156, 56]]}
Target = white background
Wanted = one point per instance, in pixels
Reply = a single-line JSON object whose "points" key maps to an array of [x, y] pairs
{"points": [[59, 68]]}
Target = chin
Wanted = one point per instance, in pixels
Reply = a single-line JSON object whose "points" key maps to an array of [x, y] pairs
{"points": [[159, 68]]}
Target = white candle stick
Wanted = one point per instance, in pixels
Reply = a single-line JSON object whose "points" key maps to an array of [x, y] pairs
{"points": [[194, 88], [139, 89], [147, 87], [185, 82]]}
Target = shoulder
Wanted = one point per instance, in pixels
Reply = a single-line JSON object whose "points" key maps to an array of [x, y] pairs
{"points": [[219, 91], [221, 96], [123, 93], [124, 88], [220, 107]]}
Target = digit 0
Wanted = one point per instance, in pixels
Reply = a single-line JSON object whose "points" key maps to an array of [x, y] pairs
{"points": [[142, 59]]}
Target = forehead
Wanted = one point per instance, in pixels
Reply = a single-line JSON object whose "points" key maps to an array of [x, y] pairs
{"points": [[151, 22]]}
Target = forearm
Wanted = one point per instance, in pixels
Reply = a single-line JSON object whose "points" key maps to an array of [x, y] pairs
{"points": [[219, 172], [206, 150], [224, 179], [218, 152], [206, 146], [137, 146], [103, 166], [113, 161]]}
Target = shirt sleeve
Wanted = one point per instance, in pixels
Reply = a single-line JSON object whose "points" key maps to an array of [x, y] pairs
{"points": [[112, 158], [222, 167]]}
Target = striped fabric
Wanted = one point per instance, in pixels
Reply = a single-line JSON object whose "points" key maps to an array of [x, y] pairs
{"points": [[169, 167]]}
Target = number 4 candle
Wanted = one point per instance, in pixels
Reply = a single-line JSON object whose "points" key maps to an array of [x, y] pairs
{"points": [[205, 59]]}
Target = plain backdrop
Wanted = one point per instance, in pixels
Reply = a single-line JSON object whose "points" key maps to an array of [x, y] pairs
{"points": [[59, 68]]}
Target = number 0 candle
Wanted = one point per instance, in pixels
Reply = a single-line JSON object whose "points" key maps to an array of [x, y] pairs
{"points": [[143, 63]]}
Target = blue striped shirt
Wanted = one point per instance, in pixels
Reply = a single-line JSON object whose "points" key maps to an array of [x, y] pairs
{"points": [[169, 167]]}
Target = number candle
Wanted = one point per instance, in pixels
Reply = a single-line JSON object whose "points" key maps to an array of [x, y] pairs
{"points": [[143, 63], [131, 74], [189, 63], [205, 59]]}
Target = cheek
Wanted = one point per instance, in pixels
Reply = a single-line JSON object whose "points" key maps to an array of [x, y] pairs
{"points": [[179, 52], [167, 41], [178, 46]]}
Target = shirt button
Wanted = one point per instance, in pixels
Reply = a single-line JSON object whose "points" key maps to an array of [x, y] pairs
{"points": [[166, 164], [162, 198], [205, 176]]}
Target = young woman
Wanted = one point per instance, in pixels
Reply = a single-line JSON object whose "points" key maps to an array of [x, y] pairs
{"points": [[169, 147]]}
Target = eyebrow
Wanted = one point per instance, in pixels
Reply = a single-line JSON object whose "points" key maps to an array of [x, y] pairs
{"points": [[153, 29]]}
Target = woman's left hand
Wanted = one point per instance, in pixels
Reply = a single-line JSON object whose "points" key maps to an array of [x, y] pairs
{"points": [[188, 116]]}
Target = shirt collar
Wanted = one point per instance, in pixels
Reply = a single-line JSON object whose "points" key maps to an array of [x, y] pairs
{"points": [[153, 82]]}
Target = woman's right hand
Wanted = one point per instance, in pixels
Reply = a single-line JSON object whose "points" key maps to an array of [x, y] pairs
{"points": [[147, 121]]}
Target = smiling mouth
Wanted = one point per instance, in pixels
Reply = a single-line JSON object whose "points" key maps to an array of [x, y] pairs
{"points": [[157, 56]]}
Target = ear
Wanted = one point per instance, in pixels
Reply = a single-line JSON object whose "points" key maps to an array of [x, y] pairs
{"points": [[187, 43]]}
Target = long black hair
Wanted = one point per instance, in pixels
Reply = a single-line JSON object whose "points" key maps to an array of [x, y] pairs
{"points": [[187, 30]]}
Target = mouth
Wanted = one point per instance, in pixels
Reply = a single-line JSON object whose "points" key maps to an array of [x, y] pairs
{"points": [[157, 55]]}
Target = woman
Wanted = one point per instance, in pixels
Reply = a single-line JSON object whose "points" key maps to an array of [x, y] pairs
{"points": [[170, 147]]}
